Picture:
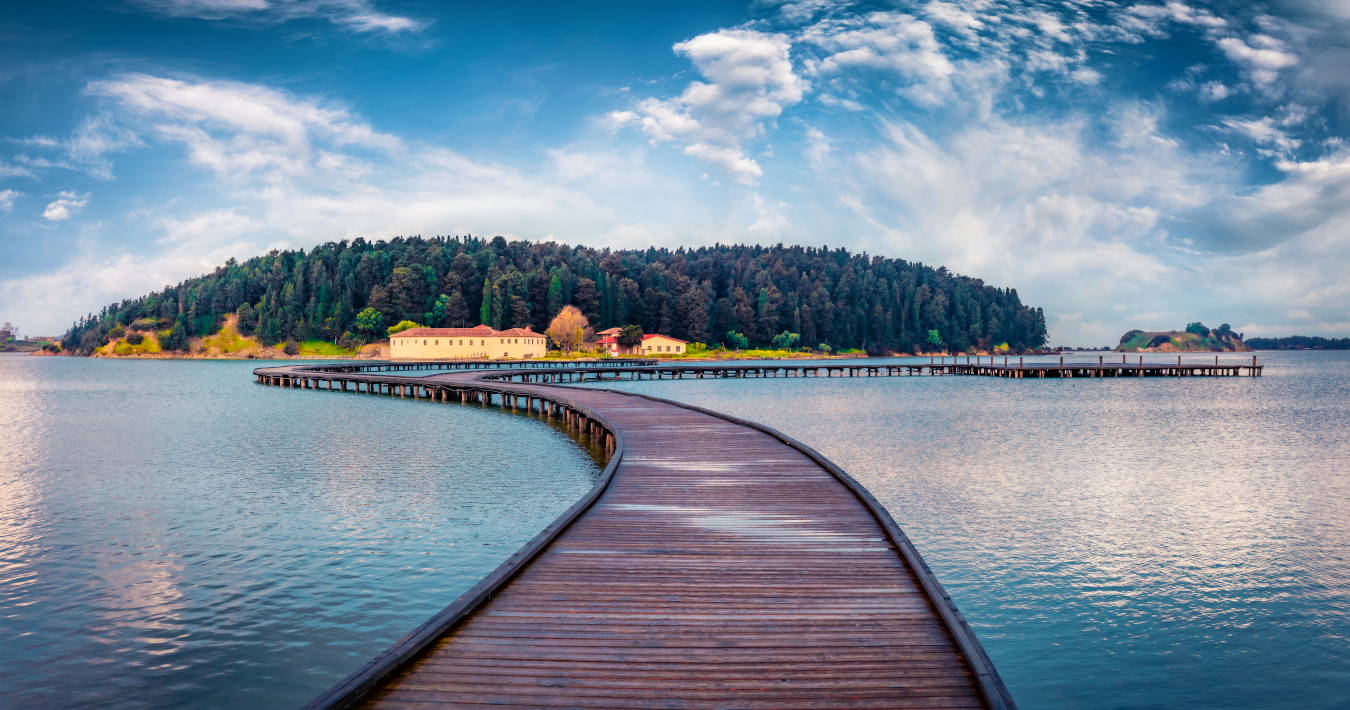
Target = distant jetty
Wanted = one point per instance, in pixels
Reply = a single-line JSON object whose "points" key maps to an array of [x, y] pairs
{"points": [[1196, 338]]}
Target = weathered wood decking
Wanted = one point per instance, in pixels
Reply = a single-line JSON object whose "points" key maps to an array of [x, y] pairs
{"points": [[720, 564]]}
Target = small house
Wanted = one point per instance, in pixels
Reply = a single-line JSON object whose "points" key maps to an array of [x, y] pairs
{"points": [[650, 345]]}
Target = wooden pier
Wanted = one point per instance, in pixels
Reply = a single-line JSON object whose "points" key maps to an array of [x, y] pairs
{"points": [[571, 372], [717, 563]]}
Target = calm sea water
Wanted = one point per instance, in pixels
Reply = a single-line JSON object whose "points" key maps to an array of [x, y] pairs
{"points": [[173, 535], [1156, 543]]}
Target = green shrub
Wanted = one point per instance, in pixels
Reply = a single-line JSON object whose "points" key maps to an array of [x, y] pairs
{"points": [[135, 338], [118, 332], [351, 342], [291, 348], [402, 326]]}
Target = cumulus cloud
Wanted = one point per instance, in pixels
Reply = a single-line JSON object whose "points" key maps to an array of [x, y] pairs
{"points": [[750, 80], [356, 15], [1263, 58], [888, 41], [65, 205]]}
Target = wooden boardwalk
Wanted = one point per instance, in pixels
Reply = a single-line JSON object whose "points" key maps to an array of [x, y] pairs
{"points": [[719, 564]]}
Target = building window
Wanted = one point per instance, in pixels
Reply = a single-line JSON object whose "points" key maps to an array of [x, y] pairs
{"points": [[424, 342]]}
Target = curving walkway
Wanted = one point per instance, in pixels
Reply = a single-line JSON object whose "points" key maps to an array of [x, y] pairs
{"points": [[723, 565]]}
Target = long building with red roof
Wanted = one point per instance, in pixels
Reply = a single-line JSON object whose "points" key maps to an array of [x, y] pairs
{"points": [[479, 342]]}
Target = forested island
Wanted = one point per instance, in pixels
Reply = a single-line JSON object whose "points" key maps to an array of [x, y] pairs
{"points": [[1195, 339], [346, 292]]}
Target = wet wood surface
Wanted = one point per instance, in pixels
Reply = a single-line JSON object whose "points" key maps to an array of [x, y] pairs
{"points": [[719, 568]]}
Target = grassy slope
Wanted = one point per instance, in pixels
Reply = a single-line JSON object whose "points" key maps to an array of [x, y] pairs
{"points": [[227, 343], [1179, 341]]}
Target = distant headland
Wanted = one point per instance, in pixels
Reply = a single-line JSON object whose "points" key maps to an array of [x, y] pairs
{"points": [[1299, 342], [1196, 338]]}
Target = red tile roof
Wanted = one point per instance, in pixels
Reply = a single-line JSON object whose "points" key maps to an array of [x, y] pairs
{"points": [[478, 331]]}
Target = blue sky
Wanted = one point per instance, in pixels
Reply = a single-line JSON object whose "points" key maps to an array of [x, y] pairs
{"points": [[1123, 165]]}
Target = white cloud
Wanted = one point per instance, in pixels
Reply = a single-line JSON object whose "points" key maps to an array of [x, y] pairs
{"points": [[888, 41], [243, 129], [1262, 62], [87, 149], [1264, 132], [750, 80], [357, 15], [817, 146], [66, 204], [7, 198], [1213, 91], [7, 170], [1149, 18], [957, 18], [769, 219]]}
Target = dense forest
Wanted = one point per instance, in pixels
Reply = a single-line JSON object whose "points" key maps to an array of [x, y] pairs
{"points": [[1299, 342], [719, 294]]}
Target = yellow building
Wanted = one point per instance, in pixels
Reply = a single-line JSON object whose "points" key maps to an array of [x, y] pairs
{"points": [[650, 345], [478, 343]]}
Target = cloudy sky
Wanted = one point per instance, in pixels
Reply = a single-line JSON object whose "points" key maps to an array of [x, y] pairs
{"points": [[1122, 165]]}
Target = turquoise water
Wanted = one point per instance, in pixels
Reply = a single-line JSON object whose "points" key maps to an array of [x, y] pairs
{"points": [[173, 535], [1156, 543]]}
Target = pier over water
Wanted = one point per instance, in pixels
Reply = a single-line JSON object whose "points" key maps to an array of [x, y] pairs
{"points": [[715, 563]]}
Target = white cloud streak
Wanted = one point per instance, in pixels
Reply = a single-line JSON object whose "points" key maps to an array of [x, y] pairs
{"points": [[355, 15]]}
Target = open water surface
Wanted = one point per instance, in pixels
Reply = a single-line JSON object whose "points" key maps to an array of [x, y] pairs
{"points": [[1116, 543], [173, 535]]}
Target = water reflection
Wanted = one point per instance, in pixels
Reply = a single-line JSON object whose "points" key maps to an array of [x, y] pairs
{"points": [[175, 535]]}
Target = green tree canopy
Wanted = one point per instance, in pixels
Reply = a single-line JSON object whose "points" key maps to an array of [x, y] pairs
{"points": [[369, 321], [831, 296], [630, 335]]}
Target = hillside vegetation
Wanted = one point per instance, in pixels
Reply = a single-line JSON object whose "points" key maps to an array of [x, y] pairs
{"points": [[347, 292], [1195, 339], [225, 343]]}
